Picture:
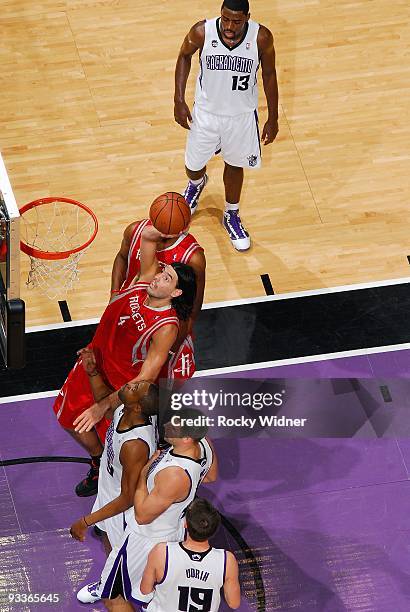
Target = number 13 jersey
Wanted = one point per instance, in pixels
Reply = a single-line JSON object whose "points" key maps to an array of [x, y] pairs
{"points": [[227, 83], [191, 581]]}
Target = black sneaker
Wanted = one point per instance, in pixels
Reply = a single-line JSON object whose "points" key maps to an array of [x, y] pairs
{"points": [[89, 486]]}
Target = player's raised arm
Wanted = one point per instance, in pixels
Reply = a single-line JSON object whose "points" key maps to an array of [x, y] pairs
{"points": [[119, 268], [193, 41], [232, 589], [270, 83]]}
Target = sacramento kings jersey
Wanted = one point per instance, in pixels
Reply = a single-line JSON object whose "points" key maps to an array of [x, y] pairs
{"points": [[109, 481], [227, 83], [192, 581], [170, 524], [181, 251]]}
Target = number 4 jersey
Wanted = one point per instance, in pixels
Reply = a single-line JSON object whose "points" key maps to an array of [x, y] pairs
{"points": [[227, 83], [192, 580]]}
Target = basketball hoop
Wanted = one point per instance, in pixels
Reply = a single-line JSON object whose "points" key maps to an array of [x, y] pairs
{"points": [[55, 233]]}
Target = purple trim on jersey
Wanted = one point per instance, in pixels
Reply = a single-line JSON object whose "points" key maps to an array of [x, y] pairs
{"points": [[190, 487], [141, 604], [201, 74], [224, 574], [120, 560], [165, 568], [257, 129]]}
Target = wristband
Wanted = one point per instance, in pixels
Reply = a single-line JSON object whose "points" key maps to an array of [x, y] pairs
{"points": [[86, 522]]}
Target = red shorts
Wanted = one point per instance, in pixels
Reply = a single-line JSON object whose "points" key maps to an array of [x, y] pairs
{"points": [[181, 365], [76, 396]]}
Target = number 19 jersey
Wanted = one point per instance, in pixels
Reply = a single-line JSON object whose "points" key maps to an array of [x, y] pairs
{"points": [[227, 83], [191, 581]]}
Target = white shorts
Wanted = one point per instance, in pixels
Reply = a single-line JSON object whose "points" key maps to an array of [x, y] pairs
{"points": [[114, 527], [124, 568], [237, 138]]}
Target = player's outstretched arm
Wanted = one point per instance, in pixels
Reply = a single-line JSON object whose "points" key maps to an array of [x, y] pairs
{"points": [[232, 589], [157, 355], [119, 268], [133, 457], [150, 237], [270, 83], [154, 569], [171, 485], [193, 41]]}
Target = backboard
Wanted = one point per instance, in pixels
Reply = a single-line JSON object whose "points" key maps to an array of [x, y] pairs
{"points": [[12, 341]]}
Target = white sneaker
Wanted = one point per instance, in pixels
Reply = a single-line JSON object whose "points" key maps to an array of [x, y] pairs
{"points": [[236, 232], [88, 594]]}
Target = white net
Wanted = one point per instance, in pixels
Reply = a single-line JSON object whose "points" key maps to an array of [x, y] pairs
{"points": [[56, 227]]}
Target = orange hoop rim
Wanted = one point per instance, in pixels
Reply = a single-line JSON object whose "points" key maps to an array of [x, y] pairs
{"points": [[54, 255]]}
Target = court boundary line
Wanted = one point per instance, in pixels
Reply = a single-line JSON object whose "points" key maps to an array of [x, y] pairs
{"points": [[307, 359], [241, 368], [243, 301]]}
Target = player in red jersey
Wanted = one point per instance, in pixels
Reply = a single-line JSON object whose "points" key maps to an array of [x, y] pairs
{"points": [[131, 343], [184, 248]]}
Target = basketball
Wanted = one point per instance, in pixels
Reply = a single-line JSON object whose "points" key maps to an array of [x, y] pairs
{"points": [[170, 213]]}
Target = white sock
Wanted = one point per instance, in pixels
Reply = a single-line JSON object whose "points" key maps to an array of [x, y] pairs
{"points": [[196, 182], [229, 206]]}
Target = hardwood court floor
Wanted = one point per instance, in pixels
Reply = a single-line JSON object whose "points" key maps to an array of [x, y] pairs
{"points": [[86, 111]]}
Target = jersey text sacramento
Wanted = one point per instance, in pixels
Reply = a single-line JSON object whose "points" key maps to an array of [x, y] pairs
{"points": [[228, 62]]}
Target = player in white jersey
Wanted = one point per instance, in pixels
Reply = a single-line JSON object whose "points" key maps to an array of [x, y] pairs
{"points": [[189, 575], [166, 487], [131, 440], [224, 116]]}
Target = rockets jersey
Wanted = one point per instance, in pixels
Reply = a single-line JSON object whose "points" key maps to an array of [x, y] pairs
{"points": [[227, 83], [181, 251], [109, 480], [190, 579], [124, 333], [170, 524]]}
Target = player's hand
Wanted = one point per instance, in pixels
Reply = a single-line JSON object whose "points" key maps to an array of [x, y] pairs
{"points": [[153, 235], [78, 530], [88, 360], [182, 114], [145, 469], [269, 132], [91, 416]]}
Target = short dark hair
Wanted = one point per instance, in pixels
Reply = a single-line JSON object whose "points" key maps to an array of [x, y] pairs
{"points": [[202, 519], [184, 303], [196, 432], [236, 5], [150, 401]]}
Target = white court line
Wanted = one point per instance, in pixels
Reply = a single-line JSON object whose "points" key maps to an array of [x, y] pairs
{"points": [[255, 300], [28, 396], [242, 368], [39, 328], [308, 359]]}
